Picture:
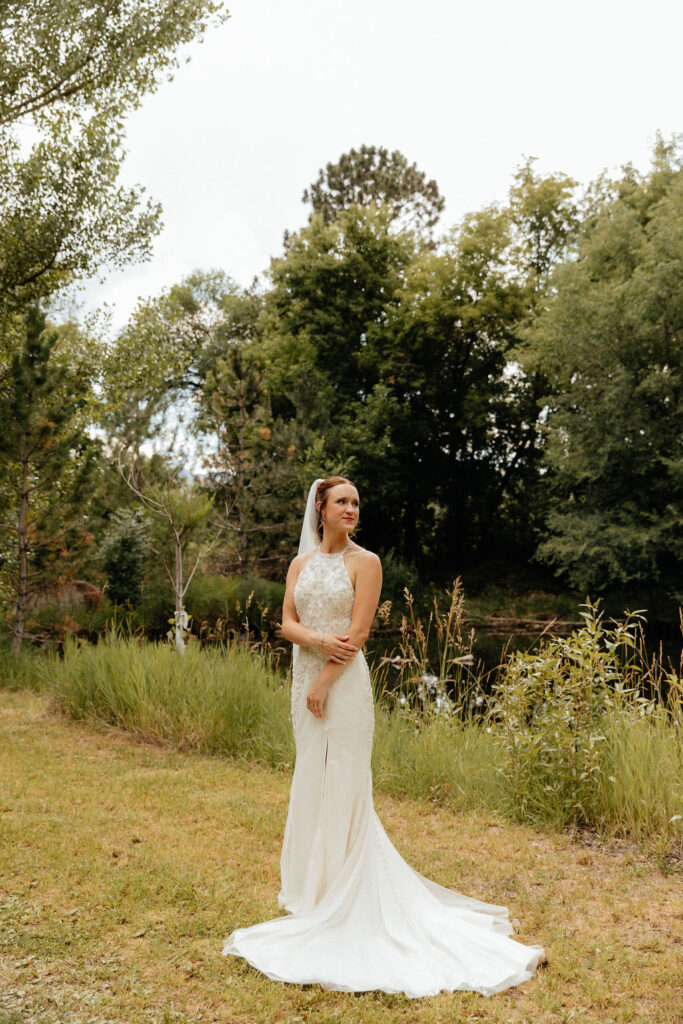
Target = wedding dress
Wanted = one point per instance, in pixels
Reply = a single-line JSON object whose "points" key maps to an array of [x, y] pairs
{"points": [[360, 918]]}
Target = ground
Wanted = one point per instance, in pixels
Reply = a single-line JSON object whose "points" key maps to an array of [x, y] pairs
{"points": [[124, 865]]}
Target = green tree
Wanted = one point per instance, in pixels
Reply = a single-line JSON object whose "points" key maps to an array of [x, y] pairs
{"points": [[545, 217], [63, 51], [70, 72], [124, 551], [450, 403], [373, 177], [46, 460], [183, 522], [610, 345], [158, 363], [237, 413]]}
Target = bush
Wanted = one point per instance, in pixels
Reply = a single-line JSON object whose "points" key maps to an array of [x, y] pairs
{"points": [[396, 578], [232, 599], [580, 737], [124, 552]]}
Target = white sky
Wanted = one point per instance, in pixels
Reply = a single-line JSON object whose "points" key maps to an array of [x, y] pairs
{"points": [[467, 90]]}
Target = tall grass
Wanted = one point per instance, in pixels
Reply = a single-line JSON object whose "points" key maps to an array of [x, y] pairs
{"points": [[591, 731], [222, 700], [585, 730], [443, 759]]}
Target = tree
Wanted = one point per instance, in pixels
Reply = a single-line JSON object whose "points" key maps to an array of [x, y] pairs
{"points": [[545, 218], [237, 413], [62, 213], [45, 459], [182, 510], [450, 406], [64, 51], [371, 176], [159, 362], [70, 72], [610, 344], [406, 350], [124, 553], [329, 299]]}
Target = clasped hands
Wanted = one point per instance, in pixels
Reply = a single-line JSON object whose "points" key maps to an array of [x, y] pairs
{"points": [[339, 650]]}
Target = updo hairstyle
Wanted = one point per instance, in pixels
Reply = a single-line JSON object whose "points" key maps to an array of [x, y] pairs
{"points": [[321, 496]]}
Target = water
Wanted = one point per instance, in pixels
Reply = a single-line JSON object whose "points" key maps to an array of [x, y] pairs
{"points": [[491, 647]]}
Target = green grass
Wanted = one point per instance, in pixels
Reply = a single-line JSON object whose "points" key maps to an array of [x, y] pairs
{"points": [[123, 866], [219, 700], [230, 701]]}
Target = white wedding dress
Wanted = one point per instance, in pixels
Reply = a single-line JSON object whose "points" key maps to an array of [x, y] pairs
{"points": [[360, 918]]}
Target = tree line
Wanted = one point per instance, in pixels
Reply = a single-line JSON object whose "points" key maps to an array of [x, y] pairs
{"points": [[505, 391]]}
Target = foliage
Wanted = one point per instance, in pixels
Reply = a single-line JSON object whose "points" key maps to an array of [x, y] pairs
{"points": [[185, 521], [245, 468], [46, 461], [430, 671], [124, 553], [609, 344], [545, 216], [68, 74], [229, 700], [60, 51], [373, 177], [223, 606], [155, 369], [396, 579], [566, 717], [216, 701]]}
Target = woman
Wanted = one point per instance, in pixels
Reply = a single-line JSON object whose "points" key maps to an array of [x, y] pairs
{"points": [[360, 918]]}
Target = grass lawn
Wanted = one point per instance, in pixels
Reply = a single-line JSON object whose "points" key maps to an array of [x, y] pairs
{"points": [[123, 866]]}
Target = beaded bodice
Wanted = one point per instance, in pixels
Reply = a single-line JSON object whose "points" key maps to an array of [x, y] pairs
{"points": [[323, 597], [323, 594]]}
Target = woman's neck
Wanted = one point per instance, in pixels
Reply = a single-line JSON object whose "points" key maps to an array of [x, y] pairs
{"points": [[333, 543]]}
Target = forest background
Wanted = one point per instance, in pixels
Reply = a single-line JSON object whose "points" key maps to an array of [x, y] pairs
{"points": [[505, 393]]}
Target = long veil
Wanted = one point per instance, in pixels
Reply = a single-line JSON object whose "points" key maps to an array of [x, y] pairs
{"points": [[309, 539]]}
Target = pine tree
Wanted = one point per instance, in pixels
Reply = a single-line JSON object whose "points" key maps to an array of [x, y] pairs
{"points": [[45, 460]]}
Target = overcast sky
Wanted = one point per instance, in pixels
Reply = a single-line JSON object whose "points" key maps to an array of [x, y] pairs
{"points": [[467, 90]]}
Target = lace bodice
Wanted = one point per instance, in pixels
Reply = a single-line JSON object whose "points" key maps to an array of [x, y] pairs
{"points": [[323, 597], [323, 594]]}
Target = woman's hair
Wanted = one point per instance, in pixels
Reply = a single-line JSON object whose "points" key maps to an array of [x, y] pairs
{"points": [[321, 496]]}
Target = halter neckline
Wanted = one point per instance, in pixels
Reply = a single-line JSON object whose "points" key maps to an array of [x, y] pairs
{"points": [[334, 554]]}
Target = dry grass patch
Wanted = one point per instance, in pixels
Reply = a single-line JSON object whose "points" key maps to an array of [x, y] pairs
{"points": [[124, 865]]}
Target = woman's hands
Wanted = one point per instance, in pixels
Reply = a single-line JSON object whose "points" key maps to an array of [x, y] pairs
{"points": [[338, 648], [317, 695]]}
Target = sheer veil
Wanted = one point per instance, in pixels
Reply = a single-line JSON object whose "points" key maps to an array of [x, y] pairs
{"points": [[309, 539]]}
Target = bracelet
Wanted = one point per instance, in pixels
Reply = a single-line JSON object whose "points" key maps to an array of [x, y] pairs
{"points": [[322, 641]]}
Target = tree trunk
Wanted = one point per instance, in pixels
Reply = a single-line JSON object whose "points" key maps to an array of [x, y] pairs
{"points": [[22, 586], [241, 516], [180, 620]]}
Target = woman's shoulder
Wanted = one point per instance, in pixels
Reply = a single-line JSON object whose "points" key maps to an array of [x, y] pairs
{"points": [[299, 561], [362, 555]]}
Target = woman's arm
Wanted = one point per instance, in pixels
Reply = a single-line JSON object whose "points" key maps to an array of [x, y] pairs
{"points": [[368, 586], [335, 647]]}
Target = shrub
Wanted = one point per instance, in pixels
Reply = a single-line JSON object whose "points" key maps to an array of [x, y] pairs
{"points": [[571, 716], [124, 552]]}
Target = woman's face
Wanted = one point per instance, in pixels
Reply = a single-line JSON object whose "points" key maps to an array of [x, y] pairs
{"points": [[341, 509]]}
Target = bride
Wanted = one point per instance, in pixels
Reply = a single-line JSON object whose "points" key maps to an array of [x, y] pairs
{"points": [[359, 917]]}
